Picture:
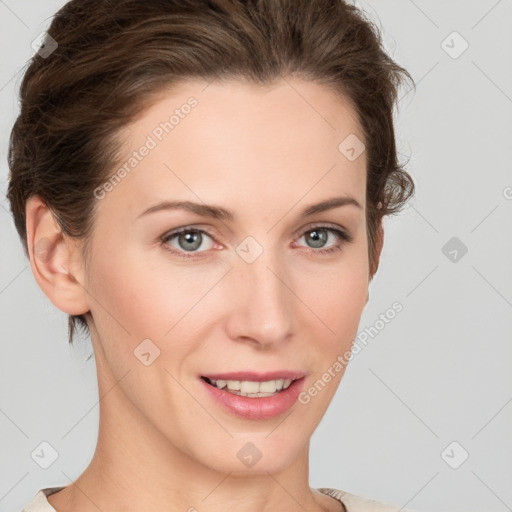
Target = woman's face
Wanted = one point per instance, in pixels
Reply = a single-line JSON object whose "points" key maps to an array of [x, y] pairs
{"points": [[266, 290]]}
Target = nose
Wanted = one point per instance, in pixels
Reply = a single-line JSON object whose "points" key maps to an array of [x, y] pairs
{"points": [[261, 302]]}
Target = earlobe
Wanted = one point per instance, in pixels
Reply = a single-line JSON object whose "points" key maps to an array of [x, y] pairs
{"points": [[51, 256]]}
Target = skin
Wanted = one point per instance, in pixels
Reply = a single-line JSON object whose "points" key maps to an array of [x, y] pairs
{"points": [[265, 153]]}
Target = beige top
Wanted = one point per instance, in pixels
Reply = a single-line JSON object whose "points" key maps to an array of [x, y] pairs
{"points": [[351, 502]]}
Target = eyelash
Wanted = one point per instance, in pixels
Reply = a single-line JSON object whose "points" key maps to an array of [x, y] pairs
{"points": [[343, 235]]}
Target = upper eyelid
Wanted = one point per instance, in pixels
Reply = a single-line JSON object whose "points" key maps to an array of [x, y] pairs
{"points": [[324, 225]]}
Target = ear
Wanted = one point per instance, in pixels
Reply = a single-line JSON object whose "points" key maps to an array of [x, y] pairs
{"points": [[53, 258], [379, 243]]}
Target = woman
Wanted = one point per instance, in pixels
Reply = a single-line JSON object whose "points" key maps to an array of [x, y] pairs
{"points": [[260, 133]]}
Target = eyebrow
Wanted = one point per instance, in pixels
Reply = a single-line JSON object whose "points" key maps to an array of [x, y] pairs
{"points": [[218, 212]]}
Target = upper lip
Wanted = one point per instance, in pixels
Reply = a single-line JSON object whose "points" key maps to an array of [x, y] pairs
{"points": [[256, 376]]}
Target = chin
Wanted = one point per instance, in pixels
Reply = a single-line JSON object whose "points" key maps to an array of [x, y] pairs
{"points": [[257, 454]]}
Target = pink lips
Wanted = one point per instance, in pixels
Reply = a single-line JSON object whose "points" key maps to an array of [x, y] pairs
{"points": [[255, 408]]}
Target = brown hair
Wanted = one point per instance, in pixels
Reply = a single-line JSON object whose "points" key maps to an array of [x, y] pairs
{"points": [[113, 56]]}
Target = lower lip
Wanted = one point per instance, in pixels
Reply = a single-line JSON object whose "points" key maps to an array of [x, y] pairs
{"points": [[254, 408]]}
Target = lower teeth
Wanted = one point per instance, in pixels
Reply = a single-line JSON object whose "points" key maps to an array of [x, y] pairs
{"points": [[250, 395]]}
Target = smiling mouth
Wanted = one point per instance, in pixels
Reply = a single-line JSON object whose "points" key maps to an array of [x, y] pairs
{"points": [[251, 389]]}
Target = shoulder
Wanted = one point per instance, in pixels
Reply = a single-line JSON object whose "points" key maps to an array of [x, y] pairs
{"points": [[40, 502], [355, 503]]}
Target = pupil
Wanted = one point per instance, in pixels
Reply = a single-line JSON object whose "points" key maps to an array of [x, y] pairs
{"points": [[190, 237], [318, 236]]}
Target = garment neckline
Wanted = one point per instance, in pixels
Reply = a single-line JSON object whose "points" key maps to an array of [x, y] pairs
{"points": [[333, 493]]}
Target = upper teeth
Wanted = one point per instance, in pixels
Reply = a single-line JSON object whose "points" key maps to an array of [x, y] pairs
{"points": [[245, 386]]}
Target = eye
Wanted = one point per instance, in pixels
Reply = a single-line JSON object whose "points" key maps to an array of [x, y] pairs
{"points": [[188, 240], [319, 235]]}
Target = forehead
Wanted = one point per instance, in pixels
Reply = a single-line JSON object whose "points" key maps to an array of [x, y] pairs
{"points": [[241, 143]]}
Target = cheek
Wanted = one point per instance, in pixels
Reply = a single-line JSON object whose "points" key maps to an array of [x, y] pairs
{"points": [[139, 298], [340, 307], [129, 305], [336, 293]]}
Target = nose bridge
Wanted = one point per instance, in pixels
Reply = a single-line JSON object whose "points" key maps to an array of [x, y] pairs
{"points": [[263, 307]]}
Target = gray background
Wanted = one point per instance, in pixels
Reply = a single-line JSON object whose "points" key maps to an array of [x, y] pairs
{"points": [[437, 373]]}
